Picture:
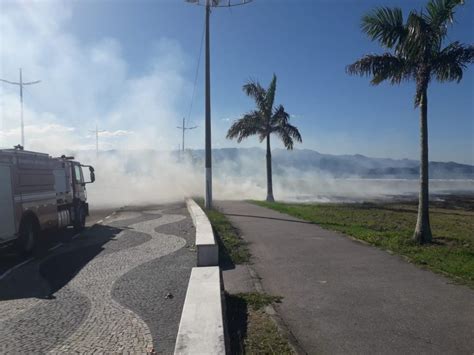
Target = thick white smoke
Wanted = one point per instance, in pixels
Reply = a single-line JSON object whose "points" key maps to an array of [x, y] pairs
{"points": [[150, 177], [85, 83]]}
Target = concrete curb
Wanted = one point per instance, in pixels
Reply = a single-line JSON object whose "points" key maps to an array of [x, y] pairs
{"points": [[201, 328], [206, 245]]}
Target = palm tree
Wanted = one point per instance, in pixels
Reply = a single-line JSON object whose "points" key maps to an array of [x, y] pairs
{"points": [[264, 121], [417, 53]]}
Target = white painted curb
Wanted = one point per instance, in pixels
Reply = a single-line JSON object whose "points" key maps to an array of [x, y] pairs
{"points": [[206, 245], [201, 329]]}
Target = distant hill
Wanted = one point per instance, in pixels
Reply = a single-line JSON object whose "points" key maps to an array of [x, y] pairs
{"points": [[249, 161], [341, 166]]}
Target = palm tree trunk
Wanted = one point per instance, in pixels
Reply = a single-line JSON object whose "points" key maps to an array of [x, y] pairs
{"points": [[269, 172], [423, 230]]}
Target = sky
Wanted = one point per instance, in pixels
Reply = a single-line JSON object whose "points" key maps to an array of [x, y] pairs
{"points": [[130, 66]]}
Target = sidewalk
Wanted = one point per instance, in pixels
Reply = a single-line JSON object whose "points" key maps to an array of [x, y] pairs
{"points": [[341, 296], [119, 287]]}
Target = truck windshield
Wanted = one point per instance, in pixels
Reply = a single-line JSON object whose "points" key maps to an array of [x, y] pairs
{"points": [[78, 174]]}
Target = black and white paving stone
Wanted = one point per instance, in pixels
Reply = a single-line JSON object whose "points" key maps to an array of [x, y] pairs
{"points": [[118, 288]]}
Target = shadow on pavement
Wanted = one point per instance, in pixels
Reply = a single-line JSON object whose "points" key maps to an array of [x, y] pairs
{"points": [[57, 270], [225, 261], [236, 322]]}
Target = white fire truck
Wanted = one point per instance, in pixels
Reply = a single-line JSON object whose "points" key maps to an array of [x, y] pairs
{"points": [[38, 193]]}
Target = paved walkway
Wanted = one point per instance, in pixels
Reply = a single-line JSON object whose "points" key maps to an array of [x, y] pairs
{"points": [[118, 288], [341, 296]]}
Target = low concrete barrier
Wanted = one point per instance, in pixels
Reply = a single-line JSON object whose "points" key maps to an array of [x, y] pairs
{"points": [[201, 329], [206, 245]]}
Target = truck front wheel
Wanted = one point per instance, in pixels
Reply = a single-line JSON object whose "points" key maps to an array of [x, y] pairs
{"points": [[28, 236], [80, 220]]}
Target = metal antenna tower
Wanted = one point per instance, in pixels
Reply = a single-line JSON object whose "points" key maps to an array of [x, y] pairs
{"points": [[208, 4], [21, 84], [184, 128], [96, 131]]}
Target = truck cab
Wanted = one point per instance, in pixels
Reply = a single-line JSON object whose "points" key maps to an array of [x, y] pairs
{"points": [[79, 193]]}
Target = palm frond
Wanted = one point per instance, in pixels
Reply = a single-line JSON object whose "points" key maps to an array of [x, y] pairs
{"points": [[384, 25], [285, 138], [254, 90], [249, 125], [283, 128], [262, 135], [294, 133], [452, 60], [421, 40], [287, 134], [440, 13], [280, 116], [382, 67], [270, 95]]}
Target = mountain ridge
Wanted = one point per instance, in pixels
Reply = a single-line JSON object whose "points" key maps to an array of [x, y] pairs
{"points": [[346, 165], [248, 161]]}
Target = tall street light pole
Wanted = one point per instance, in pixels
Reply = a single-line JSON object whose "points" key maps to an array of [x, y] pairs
{"points": [[208, 5], [21, 84], [97, 140], [208, 199]]}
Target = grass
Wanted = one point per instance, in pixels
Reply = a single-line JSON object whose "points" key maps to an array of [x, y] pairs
{"points": [[391, 225], [232, 248], [251, 330], [257, 300]]}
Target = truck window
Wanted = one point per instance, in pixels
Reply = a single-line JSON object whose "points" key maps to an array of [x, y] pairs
{"points": [[78, 174]]}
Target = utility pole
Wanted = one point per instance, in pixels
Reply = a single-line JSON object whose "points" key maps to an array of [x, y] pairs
{"points": [[97, 140], [208, 5], [208, 147], [184, 128], [21, 84]]}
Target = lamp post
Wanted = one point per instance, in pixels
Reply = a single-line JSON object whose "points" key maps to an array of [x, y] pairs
{"points": [[96, 131], [208, 4], [21, 83]]}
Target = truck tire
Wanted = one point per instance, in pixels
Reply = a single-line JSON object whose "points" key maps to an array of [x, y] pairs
{"points": [[80, 220], [28, 236]]}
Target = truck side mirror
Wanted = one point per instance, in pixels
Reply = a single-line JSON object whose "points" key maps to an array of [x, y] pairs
{"points": [[91, 170], [92, 175]]}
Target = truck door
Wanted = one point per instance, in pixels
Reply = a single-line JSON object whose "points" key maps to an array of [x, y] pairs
{"points": [[7, 221], [79, 186]]}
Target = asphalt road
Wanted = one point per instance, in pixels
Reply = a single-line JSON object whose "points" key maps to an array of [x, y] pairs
{"points": [[117, 287], [343, 297]]}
